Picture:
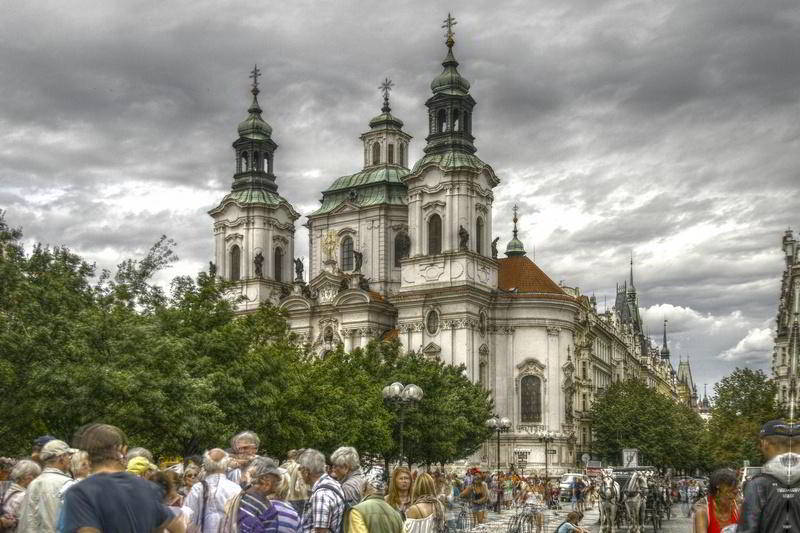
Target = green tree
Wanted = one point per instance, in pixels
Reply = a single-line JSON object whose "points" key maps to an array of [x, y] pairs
{"points": [[743, 401]]}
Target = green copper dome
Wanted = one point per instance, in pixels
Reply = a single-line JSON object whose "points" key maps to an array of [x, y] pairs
{"points": [[254, 127], [515, 247], [385, 119], [450, 81]]}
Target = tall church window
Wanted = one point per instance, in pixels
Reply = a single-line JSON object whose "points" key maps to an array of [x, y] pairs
{"points": [[483, 378], [347, 254], [390, 154], [256, 161], [236, 260], [455, 123], [479, 236], [245, 161], [434, 235], [279, 263], [401, 245], [441, 121], [531, 399], [401, 155], [376, 154]]}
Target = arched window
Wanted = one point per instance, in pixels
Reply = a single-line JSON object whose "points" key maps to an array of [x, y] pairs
{"points": [[401, 248], [376, 154], [390, 154], [401, 155], [483, 378], [256, 161], [455, 123], [531, 399], [245, 161], [479, 236], [434, 235], [279, 264], [236, 261], [347, 254], [441, 121]]}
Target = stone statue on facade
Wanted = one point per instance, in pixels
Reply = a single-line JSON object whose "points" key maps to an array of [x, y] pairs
{"points": [[259, 263], [212, 269], [463, 238], [298, 269], [359, 258], [494, 247], [363, 283]]}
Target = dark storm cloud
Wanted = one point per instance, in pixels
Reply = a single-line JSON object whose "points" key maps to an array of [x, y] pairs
{"points": [[669, 129]]}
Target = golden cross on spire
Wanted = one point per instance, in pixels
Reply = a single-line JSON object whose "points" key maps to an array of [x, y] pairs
{"points": [[385, 88], [254, 74], [449, 22]]}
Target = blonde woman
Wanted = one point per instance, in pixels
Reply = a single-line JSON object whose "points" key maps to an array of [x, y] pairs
{"points": [[399, 496], [426, 514]]}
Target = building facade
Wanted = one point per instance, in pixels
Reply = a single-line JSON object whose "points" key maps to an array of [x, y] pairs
{"points": [[407, 252], [785, 355]]}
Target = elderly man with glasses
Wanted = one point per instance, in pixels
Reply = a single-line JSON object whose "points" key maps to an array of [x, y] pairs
{"points": [[245, 448]]}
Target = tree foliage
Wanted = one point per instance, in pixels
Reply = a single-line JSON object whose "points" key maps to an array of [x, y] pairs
{"points": [[632, 415], [743, 401], [179, 371]]}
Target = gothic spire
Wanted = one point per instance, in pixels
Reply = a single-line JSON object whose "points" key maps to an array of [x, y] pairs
{"points": [[515, 247], [664, 348], [632, 287]]}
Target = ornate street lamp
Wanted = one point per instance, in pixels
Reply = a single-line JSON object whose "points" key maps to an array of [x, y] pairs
{"points": [[547, 437], [401, 397], [499, 425]]}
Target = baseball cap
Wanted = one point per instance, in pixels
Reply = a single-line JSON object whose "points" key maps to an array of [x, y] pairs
{"points": [[41, 441], [779, 428], [140, 465], [54, 448]]}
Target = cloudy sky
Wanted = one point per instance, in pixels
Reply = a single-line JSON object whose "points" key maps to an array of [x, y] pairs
{"points": [[666, 129]]}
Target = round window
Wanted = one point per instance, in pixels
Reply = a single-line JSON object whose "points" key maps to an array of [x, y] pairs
{"points": [[432, 323]]}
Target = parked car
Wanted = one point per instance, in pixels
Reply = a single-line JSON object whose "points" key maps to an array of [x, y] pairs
{"points": [[565, 485]]}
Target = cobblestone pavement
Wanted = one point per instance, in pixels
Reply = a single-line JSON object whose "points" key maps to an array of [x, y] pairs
{"points": [[498, 523]]}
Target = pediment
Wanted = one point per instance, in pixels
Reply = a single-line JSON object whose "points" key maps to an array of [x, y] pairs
{"points": [[351, 296], [345, 207], [295, 303], [432, 349]]}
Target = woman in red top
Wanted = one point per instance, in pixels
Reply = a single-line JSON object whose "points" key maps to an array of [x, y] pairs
{"points": [[719, 508]]}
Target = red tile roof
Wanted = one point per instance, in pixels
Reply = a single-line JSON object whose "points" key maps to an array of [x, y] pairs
{"points": [[522, 274]]}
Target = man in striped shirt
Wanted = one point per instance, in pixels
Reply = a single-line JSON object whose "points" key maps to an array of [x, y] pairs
{"points": [[324, 512], [257, 513]]}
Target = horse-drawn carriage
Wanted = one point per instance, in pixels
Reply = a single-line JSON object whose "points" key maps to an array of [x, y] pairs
{"points": [[632, 497]]}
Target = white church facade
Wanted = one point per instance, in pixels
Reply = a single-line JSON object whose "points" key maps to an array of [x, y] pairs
{"points": [[407, 251]]}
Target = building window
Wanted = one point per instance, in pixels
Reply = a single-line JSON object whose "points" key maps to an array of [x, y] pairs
{"points": [[401, 248], [583, 400], [245, 161], [482, 374], [376, 154], [279, 263], [441, 121], [432, 323], [584, 437], [390, 154], [401, 156], [347, 254], [531, 399], [479, 236], [434, 235], [584, 371], [455, 123], [467, 122], [236, 261]]}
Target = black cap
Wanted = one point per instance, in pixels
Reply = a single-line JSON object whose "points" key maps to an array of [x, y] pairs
{"points": [[779, 428], [44, 439]]}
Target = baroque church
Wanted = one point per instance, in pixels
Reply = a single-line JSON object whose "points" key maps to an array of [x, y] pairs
{"points": [[406, 251]]}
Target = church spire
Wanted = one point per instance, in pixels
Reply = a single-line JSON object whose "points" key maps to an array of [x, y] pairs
{"points": [[632, 287], [664, 348], [254, 147], [515, 247], [450, 107]]}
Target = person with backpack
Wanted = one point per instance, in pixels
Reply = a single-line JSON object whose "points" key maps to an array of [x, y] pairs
{"points": [[207, 499], [719, 508], [324, 512], [21, 476], [771, 501]]}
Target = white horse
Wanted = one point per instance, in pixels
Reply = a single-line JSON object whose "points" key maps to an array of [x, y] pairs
{"points": [[609, 495], [634, 500]]}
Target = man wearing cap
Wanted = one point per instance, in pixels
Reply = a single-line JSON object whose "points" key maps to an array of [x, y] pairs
{"points": [[42, 504], [253, 511], [38, 444], [770, 501], [373, 514]]}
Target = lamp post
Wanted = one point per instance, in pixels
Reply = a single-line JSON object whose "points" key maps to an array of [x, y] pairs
{"points": [[499, 425], [401, 397], [547, 437]]}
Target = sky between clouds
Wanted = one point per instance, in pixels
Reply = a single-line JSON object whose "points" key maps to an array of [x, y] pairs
{"points": [[669, 129]]}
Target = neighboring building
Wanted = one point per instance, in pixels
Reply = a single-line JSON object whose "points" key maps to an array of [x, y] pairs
{"points": [[408, 252], [704, 407], [785, 356], [687, 390]]}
